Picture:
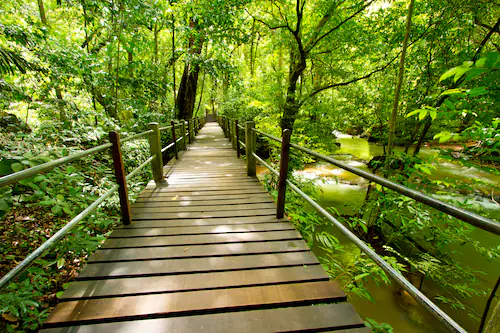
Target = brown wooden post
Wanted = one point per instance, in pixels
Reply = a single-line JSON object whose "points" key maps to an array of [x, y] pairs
{"points": [[174, 139], [183, 131], [189, 132], [284, 158], [250, 148], [225, 128], [116, 152], [237, 138], [233, 134], [155, 149]]}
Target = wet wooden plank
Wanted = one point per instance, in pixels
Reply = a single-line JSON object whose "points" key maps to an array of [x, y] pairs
{"points": [[148, 223], [172, 197], [196, 265], [195, 251], [204, 192], [195, 230], [158, 208], [195, 302], [200, 215], [293, 319], [185, 282], [176, 202], [237, 237]]}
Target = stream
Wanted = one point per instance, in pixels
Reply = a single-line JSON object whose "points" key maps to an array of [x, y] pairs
{"points": [[345, 192]]}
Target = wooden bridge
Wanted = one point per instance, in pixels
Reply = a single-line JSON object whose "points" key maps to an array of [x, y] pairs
{"points": [[204, 253]]}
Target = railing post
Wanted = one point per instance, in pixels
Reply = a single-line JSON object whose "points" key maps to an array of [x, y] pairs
{"points": [[250, 148], [183, 131], [116, 152], [174, 139], [226, 134], [284, 158], [237, 138], [189, 132], [155, 149], [233, 134]]}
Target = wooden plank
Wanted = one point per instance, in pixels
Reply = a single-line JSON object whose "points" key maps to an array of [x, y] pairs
{"points": [[159, 208], [239, 237], [195, 265], [219, 181], [187, 192], [196, 251], [225, 200], [199, 230], [199, 222], [203, 301], [198, 187], [196, 197], [200, 215], [316, 318], [171, 283]]}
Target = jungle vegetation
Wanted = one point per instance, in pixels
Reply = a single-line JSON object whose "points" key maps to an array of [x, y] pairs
{"points": [[400, 73]]}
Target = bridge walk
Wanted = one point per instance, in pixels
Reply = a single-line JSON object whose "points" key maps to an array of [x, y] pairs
{"points": [[204, 253]]}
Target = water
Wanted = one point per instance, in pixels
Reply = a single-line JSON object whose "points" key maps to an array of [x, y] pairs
{"points": [[346, 192]]}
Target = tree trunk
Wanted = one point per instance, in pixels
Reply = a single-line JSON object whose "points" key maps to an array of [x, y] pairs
{"points": [[292, 104], [41, 9], [392, 123], [186, 95]]}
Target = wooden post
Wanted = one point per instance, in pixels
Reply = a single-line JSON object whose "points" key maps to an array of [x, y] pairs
{"points": [[233, 134], [174, 138], [155, 149], [284, 158], [237, 138], [225, 127], [250, 148], [189, 132], [183, 131], [116, 152]]}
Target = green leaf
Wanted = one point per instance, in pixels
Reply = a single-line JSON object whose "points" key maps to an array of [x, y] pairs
{"points": [[422, 114], [39, 178], [16, 167], [412, 113], [448, 73], [56, 209], [60, 263], [449, 104], [433, 114], [477, 91]]}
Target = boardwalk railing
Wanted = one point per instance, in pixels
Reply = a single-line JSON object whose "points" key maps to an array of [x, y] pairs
{"points": [[153, 135], [231, 129]]}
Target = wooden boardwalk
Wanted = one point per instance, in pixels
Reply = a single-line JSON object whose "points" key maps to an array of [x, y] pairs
{"points": [[204, 253]]}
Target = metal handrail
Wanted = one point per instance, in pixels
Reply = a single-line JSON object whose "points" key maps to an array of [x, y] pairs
{"points": [[52, 240], [136, 136], [161, 129], [167, 147], [23, 174], [462, 214], [272, 137], [136, 170]]}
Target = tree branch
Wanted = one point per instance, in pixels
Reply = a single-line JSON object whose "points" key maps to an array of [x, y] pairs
{"points": [[267, 24], [314, 43], [333, 85]]}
